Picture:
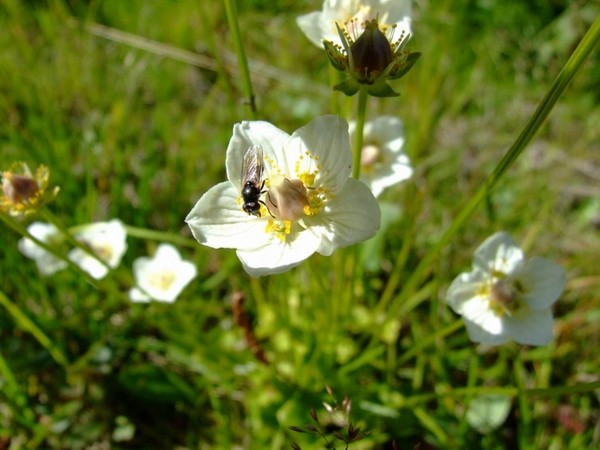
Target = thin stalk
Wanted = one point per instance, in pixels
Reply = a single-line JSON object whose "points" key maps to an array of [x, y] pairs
{"points": [[153, 235], [26, 324], [563, 79], [234, 26], [361, 113]]}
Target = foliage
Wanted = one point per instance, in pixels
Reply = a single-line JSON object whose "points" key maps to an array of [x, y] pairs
{"points": [[131, 106]]}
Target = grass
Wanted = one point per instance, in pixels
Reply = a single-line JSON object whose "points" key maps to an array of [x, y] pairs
{"points": [[131, 106]]}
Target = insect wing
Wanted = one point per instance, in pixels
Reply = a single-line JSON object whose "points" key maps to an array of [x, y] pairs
{"points": [[252, 166]]}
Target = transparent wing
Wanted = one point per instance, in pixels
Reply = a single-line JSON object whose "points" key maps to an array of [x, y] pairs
{"points": [[252, 166]]}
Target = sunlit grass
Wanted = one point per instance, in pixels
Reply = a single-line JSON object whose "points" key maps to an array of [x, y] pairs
{"points": [[133, 126]]}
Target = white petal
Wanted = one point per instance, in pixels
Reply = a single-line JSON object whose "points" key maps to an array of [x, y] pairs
{"points": [[545, 278], [533, 327], [352, 216], [479, 334], [386, 133], [464, 288], [168, 255], [88, 263], [246, 134], [498, 253], [218, 221], [312, 26], [327, 139], [278, 256], [108, 238], [135, 295]]}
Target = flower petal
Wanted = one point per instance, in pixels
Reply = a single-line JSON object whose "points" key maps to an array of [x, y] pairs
{"points": [[218, 221], [353, 215], [480, 334], [464, 288], [246, 134], [532, 327], [498, 253], [328, 141], [312, 26], [546, 279], [278, 256]]}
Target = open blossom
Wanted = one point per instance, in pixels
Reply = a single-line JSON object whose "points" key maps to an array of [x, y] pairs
{"points": [[383, 161], [45, 261], [24, 192], [308, 202], [107, 240], [162, 277], [321, 25], [506, 296]]}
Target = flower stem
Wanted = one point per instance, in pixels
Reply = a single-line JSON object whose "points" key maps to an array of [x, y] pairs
{"points": [[563, 79], [234, 26], [358, 132], [26, 324]]}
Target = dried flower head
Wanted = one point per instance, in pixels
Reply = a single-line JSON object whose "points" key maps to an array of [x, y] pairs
{"points": [[23, 192]]}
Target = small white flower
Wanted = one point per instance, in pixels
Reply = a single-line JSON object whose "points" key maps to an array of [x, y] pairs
{"points": [[162, 277], [107, 240], [311, 205], [506, 296], [46, 262], [383, 161], [320, 25]]}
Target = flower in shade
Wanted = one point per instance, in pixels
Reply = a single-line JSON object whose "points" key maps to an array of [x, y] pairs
{"points": [[309, 203], [162, 277], [107, 241], [24, 192], [506, 296], [321, 25], [383, 161], [46, 262]]}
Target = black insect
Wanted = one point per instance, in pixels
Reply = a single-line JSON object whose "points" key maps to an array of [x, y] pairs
{"points": [[252, 182]]}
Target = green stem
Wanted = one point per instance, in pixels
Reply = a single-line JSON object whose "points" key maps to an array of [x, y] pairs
{"points": [[26, 324], [15, 395], [543, 110], [234, 26], [358, 132], [18, 228], [153, 235]]}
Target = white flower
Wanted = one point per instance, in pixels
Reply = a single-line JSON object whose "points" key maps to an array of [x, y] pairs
{"points": [[107, 240], [506, 296], [162, 277], [320, 25], [46, 262], [383, 161], [311, 205]]}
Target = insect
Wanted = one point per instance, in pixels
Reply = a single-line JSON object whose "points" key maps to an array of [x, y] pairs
{"points": [[252, 182]]}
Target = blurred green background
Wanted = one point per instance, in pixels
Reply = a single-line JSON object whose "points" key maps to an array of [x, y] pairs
{"points": [[131, 105]]}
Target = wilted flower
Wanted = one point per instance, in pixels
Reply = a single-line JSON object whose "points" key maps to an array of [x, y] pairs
{"points": [[506, 296], [46, 262], [371, 54], [162, 277], [383, 161], [320, 26], [309, 203], [23, 192], [107, 240]]}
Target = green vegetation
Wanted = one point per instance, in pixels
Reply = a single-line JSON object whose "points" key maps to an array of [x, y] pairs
{"points": [[131, 104]]}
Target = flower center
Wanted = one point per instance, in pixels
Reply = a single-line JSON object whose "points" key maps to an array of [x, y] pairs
{"points": [[162, 280], [505, 296], [19, 188], [289, 199]]}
